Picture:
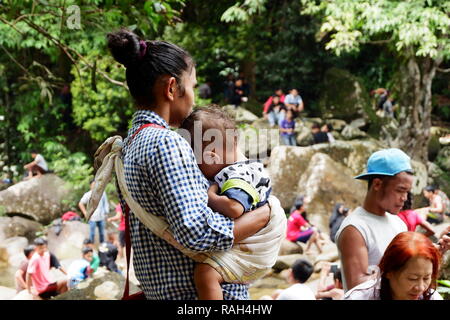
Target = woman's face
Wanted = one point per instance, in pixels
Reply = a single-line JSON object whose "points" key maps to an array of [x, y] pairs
{"points": [[412, 281], [182, 104]]}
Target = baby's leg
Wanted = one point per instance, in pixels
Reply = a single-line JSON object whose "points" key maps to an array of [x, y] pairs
{"points": [[207, 282]]}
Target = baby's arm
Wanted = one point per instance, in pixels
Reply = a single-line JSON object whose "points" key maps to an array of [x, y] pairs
{"points": [[224, 205]]}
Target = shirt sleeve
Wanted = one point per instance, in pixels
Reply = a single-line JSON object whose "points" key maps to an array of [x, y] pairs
{"points": [[182, 191], [240, 196], [85, 198], [31, 266]]}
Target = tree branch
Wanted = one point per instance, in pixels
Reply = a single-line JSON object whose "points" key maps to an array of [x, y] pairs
{"points": [[443, 70]]}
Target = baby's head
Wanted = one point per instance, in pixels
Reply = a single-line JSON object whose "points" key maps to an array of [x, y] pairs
{"points": [[213, 137]]}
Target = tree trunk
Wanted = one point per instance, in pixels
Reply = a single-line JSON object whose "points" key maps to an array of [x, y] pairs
{"points": [[414, 100]]}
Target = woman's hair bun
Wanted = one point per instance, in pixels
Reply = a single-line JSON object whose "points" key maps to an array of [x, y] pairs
{"points": [[124, 46]]}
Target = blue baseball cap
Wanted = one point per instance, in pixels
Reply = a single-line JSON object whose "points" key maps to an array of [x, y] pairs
{"points": [[387, 162]]}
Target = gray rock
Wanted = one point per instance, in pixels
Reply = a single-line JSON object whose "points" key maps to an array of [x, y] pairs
{"points": [[443, 158], [358, 123], [352, 133], [7, 293], [289, 247], [14, 247], [41, 199], [286, 261], [104, 285], [68, 244], [325, 183], [19, 227], [240, 114]]}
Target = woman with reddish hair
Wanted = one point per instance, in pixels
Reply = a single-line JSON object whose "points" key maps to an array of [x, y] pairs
{"points": [[408, 270]]}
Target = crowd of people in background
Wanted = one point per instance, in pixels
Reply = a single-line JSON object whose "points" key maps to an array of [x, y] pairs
{"points": [[104, 251], [387, 249]]}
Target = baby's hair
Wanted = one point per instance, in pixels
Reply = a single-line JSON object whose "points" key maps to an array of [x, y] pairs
{"points": [[211, 116]]}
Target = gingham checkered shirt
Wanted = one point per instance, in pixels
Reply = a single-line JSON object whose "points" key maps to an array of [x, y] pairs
{"points": [[163, 177]]}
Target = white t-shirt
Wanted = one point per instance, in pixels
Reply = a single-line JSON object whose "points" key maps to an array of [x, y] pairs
{"points": [[102, 209], [293, 99], [377, 231], [370, 290], [298, 291], [40, 161]]}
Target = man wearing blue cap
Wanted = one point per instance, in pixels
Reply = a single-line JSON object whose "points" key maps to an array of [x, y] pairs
{"points": [[365, 234]]}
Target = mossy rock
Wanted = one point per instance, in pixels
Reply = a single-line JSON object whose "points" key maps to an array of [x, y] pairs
{"points": [[443, 159], [345, 97]]}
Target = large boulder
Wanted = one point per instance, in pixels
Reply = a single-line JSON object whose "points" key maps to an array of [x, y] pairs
{"points": [[240, 115], [437, 176], [257, 142], [325, 183], [7, 293], [14, 248], [443, 158], [286, 261], [40, 199], [287, 164], [104, 285], [18, 227], [344, 96], [68, 243], [288, 247], [352, 133]]}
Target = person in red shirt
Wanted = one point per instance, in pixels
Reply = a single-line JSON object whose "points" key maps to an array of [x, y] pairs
{"points": [[120, 216], [413, 218], [278, 92], [298, 229], [38, 273]]}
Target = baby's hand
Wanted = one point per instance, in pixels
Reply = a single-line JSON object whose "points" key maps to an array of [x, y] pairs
{"points": [[213, 189]]}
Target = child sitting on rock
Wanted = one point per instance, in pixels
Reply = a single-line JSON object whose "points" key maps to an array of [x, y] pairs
{"points": [[80, 269], [240, 185]]}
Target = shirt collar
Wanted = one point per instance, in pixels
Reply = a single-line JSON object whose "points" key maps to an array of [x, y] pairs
{"points": [[141, 117]]}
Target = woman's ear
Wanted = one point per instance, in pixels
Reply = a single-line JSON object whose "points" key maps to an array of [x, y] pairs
{"points": [[170, 88]]}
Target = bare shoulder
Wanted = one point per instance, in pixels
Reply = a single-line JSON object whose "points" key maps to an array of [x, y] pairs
{"points": [[350, 236]]}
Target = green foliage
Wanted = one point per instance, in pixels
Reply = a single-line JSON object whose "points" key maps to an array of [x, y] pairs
{"points": [[106, 108], [416, 25], [74, 168]]}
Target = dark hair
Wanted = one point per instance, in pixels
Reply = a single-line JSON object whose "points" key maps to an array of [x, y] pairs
{"points": [[298, 205], [337, 273], [211, 117], [302, 270], [329, 126], [345, 210], [373, 177], [430, 189], [407, 205], [88, 241], [146, 61], [86, 250], [28, 249], [315, 125], [39, 242], [34, 151]]}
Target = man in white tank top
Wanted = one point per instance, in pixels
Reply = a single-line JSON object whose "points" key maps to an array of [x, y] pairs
{"points": [[365, 234]]}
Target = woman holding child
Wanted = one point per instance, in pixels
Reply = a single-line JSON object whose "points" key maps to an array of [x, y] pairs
{"points": [[162, 174]]}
